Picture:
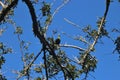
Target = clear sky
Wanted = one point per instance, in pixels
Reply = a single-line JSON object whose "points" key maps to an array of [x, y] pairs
{"points": [[81, 12]]}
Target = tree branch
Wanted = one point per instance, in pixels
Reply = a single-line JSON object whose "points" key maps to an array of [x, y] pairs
{"points": [[101, 25], [72, 23], [56, 10], [28, 67], [42, 38], [7, 9], [2, 4], [72, 46], [33, 16], [98, 34], [107, 8]]}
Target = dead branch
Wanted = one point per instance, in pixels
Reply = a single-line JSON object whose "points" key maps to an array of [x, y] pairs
{"points": [[72, 23], [72, 46], [56, 10]]}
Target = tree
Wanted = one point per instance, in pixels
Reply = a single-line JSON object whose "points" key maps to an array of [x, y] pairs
{"points": [[53, 59]]}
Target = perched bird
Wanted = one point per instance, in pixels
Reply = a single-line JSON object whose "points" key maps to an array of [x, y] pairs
{"points": [[57, 41]]}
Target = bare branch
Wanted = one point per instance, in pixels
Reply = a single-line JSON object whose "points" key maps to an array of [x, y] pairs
{"points": [[72, 46], [78, 38], [2, 4], [62, 5], [56, 10], [72, 23]]}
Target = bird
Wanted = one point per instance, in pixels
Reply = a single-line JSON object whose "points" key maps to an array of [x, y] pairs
{"points": [[57, 41]]}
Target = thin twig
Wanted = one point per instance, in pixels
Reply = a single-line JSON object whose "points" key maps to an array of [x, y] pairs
{"points": [[72, 23], [62, 5], [28, 67], [21, 44], [80, 38], [75, 61], [70, 36], [33, 60], [56, 10], [53, 2]]}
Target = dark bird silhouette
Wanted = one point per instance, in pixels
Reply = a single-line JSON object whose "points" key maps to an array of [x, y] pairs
{"points": [[57, 41]]}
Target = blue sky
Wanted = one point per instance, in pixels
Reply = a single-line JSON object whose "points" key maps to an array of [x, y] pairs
{"points": [[81, 12]]}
